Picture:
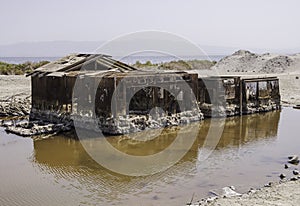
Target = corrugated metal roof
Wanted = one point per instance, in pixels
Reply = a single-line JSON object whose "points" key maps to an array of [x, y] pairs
{"points": [[82, 62]]}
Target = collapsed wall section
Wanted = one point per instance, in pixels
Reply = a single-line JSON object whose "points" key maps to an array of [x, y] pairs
{"points": [[122, 103]]}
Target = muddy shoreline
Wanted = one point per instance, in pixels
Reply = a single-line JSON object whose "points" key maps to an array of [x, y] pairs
{"points": [[280, 193]]}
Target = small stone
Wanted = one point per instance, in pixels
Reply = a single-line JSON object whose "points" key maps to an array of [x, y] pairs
{"points": [[294, 179], [286, 166], [293, 159], [211, 199], [8, 124], [296, 172], [228, 192], [282, 176], [269, 184], [254, 191]]}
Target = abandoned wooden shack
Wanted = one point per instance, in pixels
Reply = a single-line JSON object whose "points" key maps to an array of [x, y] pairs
{"points": [[124, 99], [240, 95]]}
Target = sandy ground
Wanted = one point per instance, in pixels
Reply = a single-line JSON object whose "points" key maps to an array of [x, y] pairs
{"points": [[290, 88], [284, 194], [14, 85]]}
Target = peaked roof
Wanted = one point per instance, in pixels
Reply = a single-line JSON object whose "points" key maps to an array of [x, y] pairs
{"points": [[82, 62]]}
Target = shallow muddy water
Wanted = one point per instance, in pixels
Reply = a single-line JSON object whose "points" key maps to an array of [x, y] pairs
{"points": [[252, 151]]}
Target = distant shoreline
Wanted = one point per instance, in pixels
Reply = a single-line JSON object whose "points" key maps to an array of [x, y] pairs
{"points": [[22, 60], [128, 59]]}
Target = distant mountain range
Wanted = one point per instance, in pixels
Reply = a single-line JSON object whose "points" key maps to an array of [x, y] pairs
{"points": [[62, 48], [48, 49]]}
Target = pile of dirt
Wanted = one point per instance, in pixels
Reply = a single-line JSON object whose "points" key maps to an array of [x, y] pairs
{"points": [[244, 61]]}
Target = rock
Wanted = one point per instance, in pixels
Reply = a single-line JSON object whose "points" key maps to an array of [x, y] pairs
{"points": [[7, 124], [252, 191], [296, 172], [282, 176], [229, 192], [286, 166], [294, 179], [211, 199], [291, 156], [293, 159], [269, 184]]}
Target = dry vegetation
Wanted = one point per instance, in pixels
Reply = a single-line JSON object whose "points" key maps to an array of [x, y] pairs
{"points": [[177, 65], [20, 69]]}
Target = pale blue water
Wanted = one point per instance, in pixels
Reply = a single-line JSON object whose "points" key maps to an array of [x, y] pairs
{"points": [[20, 60]]}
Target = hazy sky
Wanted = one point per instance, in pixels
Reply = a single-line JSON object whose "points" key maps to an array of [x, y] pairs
{"points": [[236, 23]]}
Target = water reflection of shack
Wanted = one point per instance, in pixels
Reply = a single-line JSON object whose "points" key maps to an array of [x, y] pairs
{"points": [[67, 161], [250, 128], [53, 94], [68, 155]]}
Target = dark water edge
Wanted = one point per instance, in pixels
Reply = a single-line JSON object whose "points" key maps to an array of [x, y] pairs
{"points": [[252, 151]]}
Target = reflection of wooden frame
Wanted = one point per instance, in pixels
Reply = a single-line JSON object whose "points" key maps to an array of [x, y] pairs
{"points": [[263, 91]]}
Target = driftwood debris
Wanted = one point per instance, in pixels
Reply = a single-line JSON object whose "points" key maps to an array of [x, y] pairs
{"points": [[34, 128], [15, 106]]}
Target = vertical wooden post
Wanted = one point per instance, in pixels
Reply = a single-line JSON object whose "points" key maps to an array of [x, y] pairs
{"points": [[115, 99], [124, 103], [241, 96]]}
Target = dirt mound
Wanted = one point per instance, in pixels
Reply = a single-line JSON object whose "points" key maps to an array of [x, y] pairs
{"points": [[245, 61]]}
